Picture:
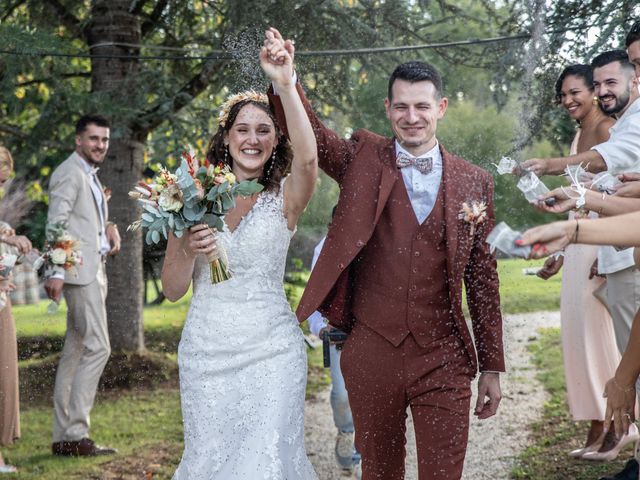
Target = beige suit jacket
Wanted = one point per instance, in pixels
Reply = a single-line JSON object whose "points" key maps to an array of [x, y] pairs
{"points": [[71, 201]]}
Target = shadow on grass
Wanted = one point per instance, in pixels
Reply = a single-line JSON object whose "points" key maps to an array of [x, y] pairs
{"points": [[123, 372]]}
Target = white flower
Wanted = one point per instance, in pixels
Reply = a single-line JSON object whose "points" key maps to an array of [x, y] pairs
{"points": [[168, 202], [58, 256]]}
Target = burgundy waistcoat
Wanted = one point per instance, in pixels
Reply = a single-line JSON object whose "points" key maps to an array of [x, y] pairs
{"points": [[400, 276]]}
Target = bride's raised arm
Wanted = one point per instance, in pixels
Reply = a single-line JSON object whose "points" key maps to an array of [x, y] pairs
{"points": [[276, 59]]}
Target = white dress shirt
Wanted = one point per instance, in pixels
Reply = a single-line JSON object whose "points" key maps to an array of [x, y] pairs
{"points": [[98, 196], [422, 187], [621, 153]]}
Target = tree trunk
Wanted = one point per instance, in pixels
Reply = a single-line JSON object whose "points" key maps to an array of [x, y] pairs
{"points": [[115, 79]]}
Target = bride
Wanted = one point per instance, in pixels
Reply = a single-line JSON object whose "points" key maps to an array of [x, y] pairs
{"points": [[242, 357]]}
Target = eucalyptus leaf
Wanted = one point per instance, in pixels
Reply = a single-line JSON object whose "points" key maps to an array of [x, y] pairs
{"points": [[228, 202], [248, 187]]}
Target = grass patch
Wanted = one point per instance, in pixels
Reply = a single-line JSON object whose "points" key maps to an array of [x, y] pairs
{"points": [[556, 433], [520, 293], [135, 423]]}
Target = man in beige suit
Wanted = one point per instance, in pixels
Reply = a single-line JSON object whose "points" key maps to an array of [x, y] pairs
{"points": [[76, 198]]}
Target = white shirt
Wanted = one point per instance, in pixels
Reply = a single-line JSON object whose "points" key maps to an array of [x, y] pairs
{"points": [[316, 320], [621, 153], [98, 196], [422, 187]]}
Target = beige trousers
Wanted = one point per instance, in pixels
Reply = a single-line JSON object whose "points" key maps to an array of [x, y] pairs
{"points": [[85, 353], [623, 299]]}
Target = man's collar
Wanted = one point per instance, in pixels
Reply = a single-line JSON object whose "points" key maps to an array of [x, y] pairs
{"points": [[86, 166], [434, 152]]}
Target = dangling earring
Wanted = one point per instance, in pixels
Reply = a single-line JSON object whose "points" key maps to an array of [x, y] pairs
{"points": [[226, 154], [595, 100], [273, 162]]}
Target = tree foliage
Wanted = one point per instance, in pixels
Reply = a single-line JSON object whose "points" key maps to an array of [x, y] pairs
{"points": [[160, 68]]}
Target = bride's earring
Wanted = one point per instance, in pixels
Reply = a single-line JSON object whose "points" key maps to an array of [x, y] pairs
{"points": [[273, 162], [595, 100], [226, 154]]}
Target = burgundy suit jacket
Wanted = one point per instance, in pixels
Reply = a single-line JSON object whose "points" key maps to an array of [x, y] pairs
{"points": [[365, 170]]}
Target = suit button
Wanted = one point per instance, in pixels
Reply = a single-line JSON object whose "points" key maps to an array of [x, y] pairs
{"points": [[359, 243], [414, 287], [414, 270], [419, 236], [341, 266], [416, 254]]}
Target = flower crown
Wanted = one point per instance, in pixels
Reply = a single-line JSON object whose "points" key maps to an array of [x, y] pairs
{"points": [[250, 95]]}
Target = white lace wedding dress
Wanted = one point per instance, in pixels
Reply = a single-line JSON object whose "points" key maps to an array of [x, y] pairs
{"points": [[242, 360]]}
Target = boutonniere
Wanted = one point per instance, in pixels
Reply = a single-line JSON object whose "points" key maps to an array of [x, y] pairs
{"points": [[473, 214], [107, 193]]}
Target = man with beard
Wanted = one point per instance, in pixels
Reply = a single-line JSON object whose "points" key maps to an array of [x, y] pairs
{"points": [[616, 86], [76, 198]]}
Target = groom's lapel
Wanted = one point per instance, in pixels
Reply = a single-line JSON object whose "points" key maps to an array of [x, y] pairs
{"points": [[452, 204], [389, 175]]}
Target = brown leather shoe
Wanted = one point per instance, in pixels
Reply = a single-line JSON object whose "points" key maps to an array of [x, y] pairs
{"points": [[83, 448]]}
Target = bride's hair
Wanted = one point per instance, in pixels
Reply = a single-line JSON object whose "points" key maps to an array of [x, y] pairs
{"points": [[276, 167]]}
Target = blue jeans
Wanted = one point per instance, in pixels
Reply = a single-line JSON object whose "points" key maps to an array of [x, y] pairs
{"points": [[339, 399]]}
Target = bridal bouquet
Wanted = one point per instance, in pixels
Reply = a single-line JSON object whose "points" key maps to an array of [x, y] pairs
{"points": [[197, 192]]}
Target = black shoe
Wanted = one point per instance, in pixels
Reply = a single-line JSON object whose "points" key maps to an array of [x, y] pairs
{"points": [[629, 472]]}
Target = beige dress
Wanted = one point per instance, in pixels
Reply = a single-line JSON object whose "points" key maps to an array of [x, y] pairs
{"points": [[9, 399], [588, 341]]}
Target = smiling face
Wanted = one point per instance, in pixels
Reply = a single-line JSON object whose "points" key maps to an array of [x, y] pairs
{"points": [[251, 141], [92, 144], [414, 111], [613, 87], [576, 97]]}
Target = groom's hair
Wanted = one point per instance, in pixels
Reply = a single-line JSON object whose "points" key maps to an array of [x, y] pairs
{"points": [[91, 119], [416, 72]]}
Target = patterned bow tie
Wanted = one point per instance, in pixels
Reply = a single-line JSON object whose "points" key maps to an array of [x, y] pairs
{"points": [[423, 164]]}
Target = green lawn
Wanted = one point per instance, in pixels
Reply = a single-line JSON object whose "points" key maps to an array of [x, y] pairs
{"points": [[522, 293], [145, 424]]}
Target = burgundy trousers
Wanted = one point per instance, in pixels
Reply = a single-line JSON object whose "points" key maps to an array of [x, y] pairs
{"points": [[383, 380]]}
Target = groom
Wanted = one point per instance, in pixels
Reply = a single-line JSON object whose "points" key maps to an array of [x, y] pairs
{"points": [[391, 274]]}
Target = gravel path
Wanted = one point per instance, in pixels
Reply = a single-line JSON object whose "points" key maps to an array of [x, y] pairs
{"points": [[493, 443]]}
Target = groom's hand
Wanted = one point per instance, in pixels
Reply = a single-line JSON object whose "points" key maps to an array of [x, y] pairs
{"points": [[113, 236], [488, 386]]}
